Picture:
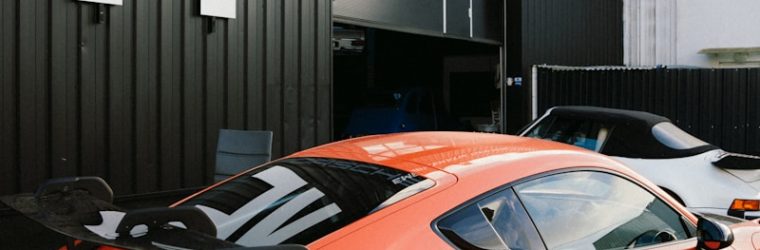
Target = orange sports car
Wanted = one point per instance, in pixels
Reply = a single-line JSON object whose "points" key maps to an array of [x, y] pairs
{"points": [[424, 190]]}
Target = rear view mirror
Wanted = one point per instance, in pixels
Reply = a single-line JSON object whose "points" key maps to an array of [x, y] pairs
{"points": [[713, 234]]}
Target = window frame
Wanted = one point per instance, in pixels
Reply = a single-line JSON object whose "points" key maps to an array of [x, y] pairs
{"points": [[510, 185]]}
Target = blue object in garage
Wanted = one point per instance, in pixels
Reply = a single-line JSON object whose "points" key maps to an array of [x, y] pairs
{"points": [[388, 112]]}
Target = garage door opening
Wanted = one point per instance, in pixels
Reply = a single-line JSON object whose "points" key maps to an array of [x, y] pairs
{"points": [[387, 81]]}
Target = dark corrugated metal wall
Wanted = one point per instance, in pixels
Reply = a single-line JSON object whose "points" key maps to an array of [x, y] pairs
{"points": [[139, 99], [558, 32], [720, 106], [578, 32]]}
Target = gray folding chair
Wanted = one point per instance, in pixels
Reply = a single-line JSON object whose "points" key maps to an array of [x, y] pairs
{"points": [[238, 150]]}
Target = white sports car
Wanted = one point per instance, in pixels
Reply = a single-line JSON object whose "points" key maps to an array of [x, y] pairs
{"points": [[700, 175]]}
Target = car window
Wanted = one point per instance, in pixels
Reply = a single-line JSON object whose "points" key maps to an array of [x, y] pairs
{"points": [[668, 134], [498, 221], [299, 200], [594, 210], [539, 130], [583, 133]]}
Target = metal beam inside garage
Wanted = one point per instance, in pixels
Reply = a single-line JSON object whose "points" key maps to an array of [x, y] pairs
{"points": [[474, 20]]}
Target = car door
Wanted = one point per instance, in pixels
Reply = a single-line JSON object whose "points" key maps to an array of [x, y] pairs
{"points": [[570, 210]]}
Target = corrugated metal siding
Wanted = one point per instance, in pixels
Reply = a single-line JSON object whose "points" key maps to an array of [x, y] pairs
{"points": [[719, 106], [139, 99], [558, 32], [579, 32]]}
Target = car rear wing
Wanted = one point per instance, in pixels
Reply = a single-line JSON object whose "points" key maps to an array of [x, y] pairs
{"points": [[736, 161], [77, 207]]}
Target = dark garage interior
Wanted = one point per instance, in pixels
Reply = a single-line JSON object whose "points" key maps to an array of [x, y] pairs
{"points": [[459, 76]]}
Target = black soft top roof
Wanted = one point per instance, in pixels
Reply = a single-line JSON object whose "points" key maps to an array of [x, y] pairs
{"points": [[610, 114], [633, 136]]}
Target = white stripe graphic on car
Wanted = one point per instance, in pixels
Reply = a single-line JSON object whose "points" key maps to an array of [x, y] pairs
{"points": [[284, 181]]}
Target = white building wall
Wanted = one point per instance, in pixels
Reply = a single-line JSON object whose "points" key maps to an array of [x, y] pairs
{"points": [[649, 32], [672, 32]]}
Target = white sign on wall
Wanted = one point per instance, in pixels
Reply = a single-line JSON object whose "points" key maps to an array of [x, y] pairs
{"points": [[218, 8], [112, 2]]}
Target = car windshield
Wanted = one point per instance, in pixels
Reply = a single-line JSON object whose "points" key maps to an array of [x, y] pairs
{"points": [[582, 133], [299, 200], [675, 138]]}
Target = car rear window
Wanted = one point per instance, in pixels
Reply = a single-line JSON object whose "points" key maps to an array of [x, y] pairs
{"points": [[299, 200], [668, 134]]}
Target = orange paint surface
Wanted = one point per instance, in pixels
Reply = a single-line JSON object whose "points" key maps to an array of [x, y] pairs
{"points": [[463, 165]]}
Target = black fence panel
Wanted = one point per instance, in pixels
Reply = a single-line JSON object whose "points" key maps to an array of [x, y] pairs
{"points": [[719, 106]]}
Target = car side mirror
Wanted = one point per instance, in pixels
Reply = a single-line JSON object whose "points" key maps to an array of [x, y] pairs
{"points": [[712, 234]]}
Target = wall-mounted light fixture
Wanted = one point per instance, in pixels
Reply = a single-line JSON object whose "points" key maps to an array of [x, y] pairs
{"points": [[100, 15], [214, 9]]}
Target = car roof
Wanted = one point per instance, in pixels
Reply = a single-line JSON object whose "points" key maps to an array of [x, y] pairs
{"points": [[479, 162], [634, 129], [424, 152], [609, 114]]}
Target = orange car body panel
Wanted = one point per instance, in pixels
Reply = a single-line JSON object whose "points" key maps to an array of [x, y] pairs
{"points": [[464, 166], [746, 235]]}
